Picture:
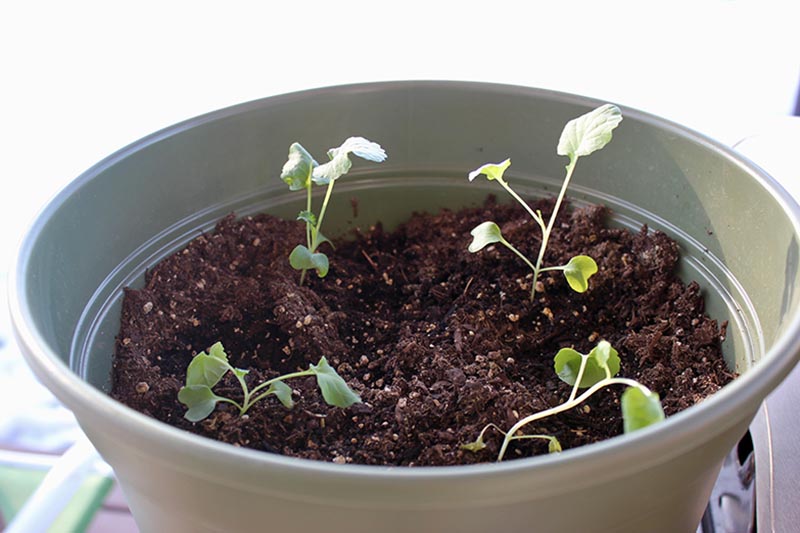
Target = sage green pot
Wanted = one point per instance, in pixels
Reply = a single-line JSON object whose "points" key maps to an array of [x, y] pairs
{"points": [[738, 231]]}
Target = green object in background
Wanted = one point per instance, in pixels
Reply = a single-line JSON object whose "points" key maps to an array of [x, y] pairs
{"points": [[18, 483]]}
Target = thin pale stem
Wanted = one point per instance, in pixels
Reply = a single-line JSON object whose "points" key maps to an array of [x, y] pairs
{"points": [[242, 383], [581, 371], [260, 397], [284, 377], [308, 208], [519, 254], [566, 406], [315, 239], [249, 395], [519, 199], [547, 230], [232, 402]]}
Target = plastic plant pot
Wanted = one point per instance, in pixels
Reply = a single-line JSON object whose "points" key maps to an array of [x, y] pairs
{"points": [[737, 229]]}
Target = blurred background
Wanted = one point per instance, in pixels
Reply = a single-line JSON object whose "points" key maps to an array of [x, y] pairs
{"points": [[82, 79]]}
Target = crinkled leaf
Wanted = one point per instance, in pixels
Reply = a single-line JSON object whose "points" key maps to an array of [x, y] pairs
{"points": [[283, 392], [332, 170], [474, 446], [208, 368], [554, 446], [589, 132], [568, 364], [578, 271], [200, 401], [302, 259], [639, 409], [361, 147], [307, 216], [334, 389], [483, 235], [340, 163], [218, 351], [492, 171], [297, 169]]}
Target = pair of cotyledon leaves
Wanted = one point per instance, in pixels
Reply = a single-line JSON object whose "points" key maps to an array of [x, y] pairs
{"points": [[208, 368], [577, 271], [640, 407], [301, 169]]}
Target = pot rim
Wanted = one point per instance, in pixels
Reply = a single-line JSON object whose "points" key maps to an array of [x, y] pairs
{"points": [[624, 451]]}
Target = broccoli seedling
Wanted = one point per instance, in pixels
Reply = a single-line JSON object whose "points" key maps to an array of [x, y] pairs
{"points": [[594, 371], [580, 137], [300, 172], [208, 368], [597, 369]]}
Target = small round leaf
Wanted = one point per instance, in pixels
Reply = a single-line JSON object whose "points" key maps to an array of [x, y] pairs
{"points": [[297, 169], [578, 271], [200, 401], [640, 409], [334, 389], [283, 392], [492, 171], [553, 446], [483, 235], [568, 365], [474, 446], [302, 259], [606, 357]]}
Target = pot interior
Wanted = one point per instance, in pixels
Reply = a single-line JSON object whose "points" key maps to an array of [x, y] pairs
{"points": [[736, 230], [94, 339]]}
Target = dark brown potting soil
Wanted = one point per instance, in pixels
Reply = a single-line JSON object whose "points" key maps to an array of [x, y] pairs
{"points": [[438, 341]]}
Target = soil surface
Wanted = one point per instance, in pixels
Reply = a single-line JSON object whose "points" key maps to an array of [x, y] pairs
{"points": [[437, 341]]}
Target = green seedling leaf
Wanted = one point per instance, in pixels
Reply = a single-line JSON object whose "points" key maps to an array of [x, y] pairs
{"points": [[568, 364], [218, 351], [606, 357], [307, 216], [322, 238], [474, 446], [200, 401], [334, 389], [590, 132], [298, 168], [602, 357], [640, 409], [363, 148], [492, 171], [283, 392], [340, 163], [483, 235], [332, 170], [240, 373], [208, 368], [301, 258], [578, 271], [554, 446]]}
